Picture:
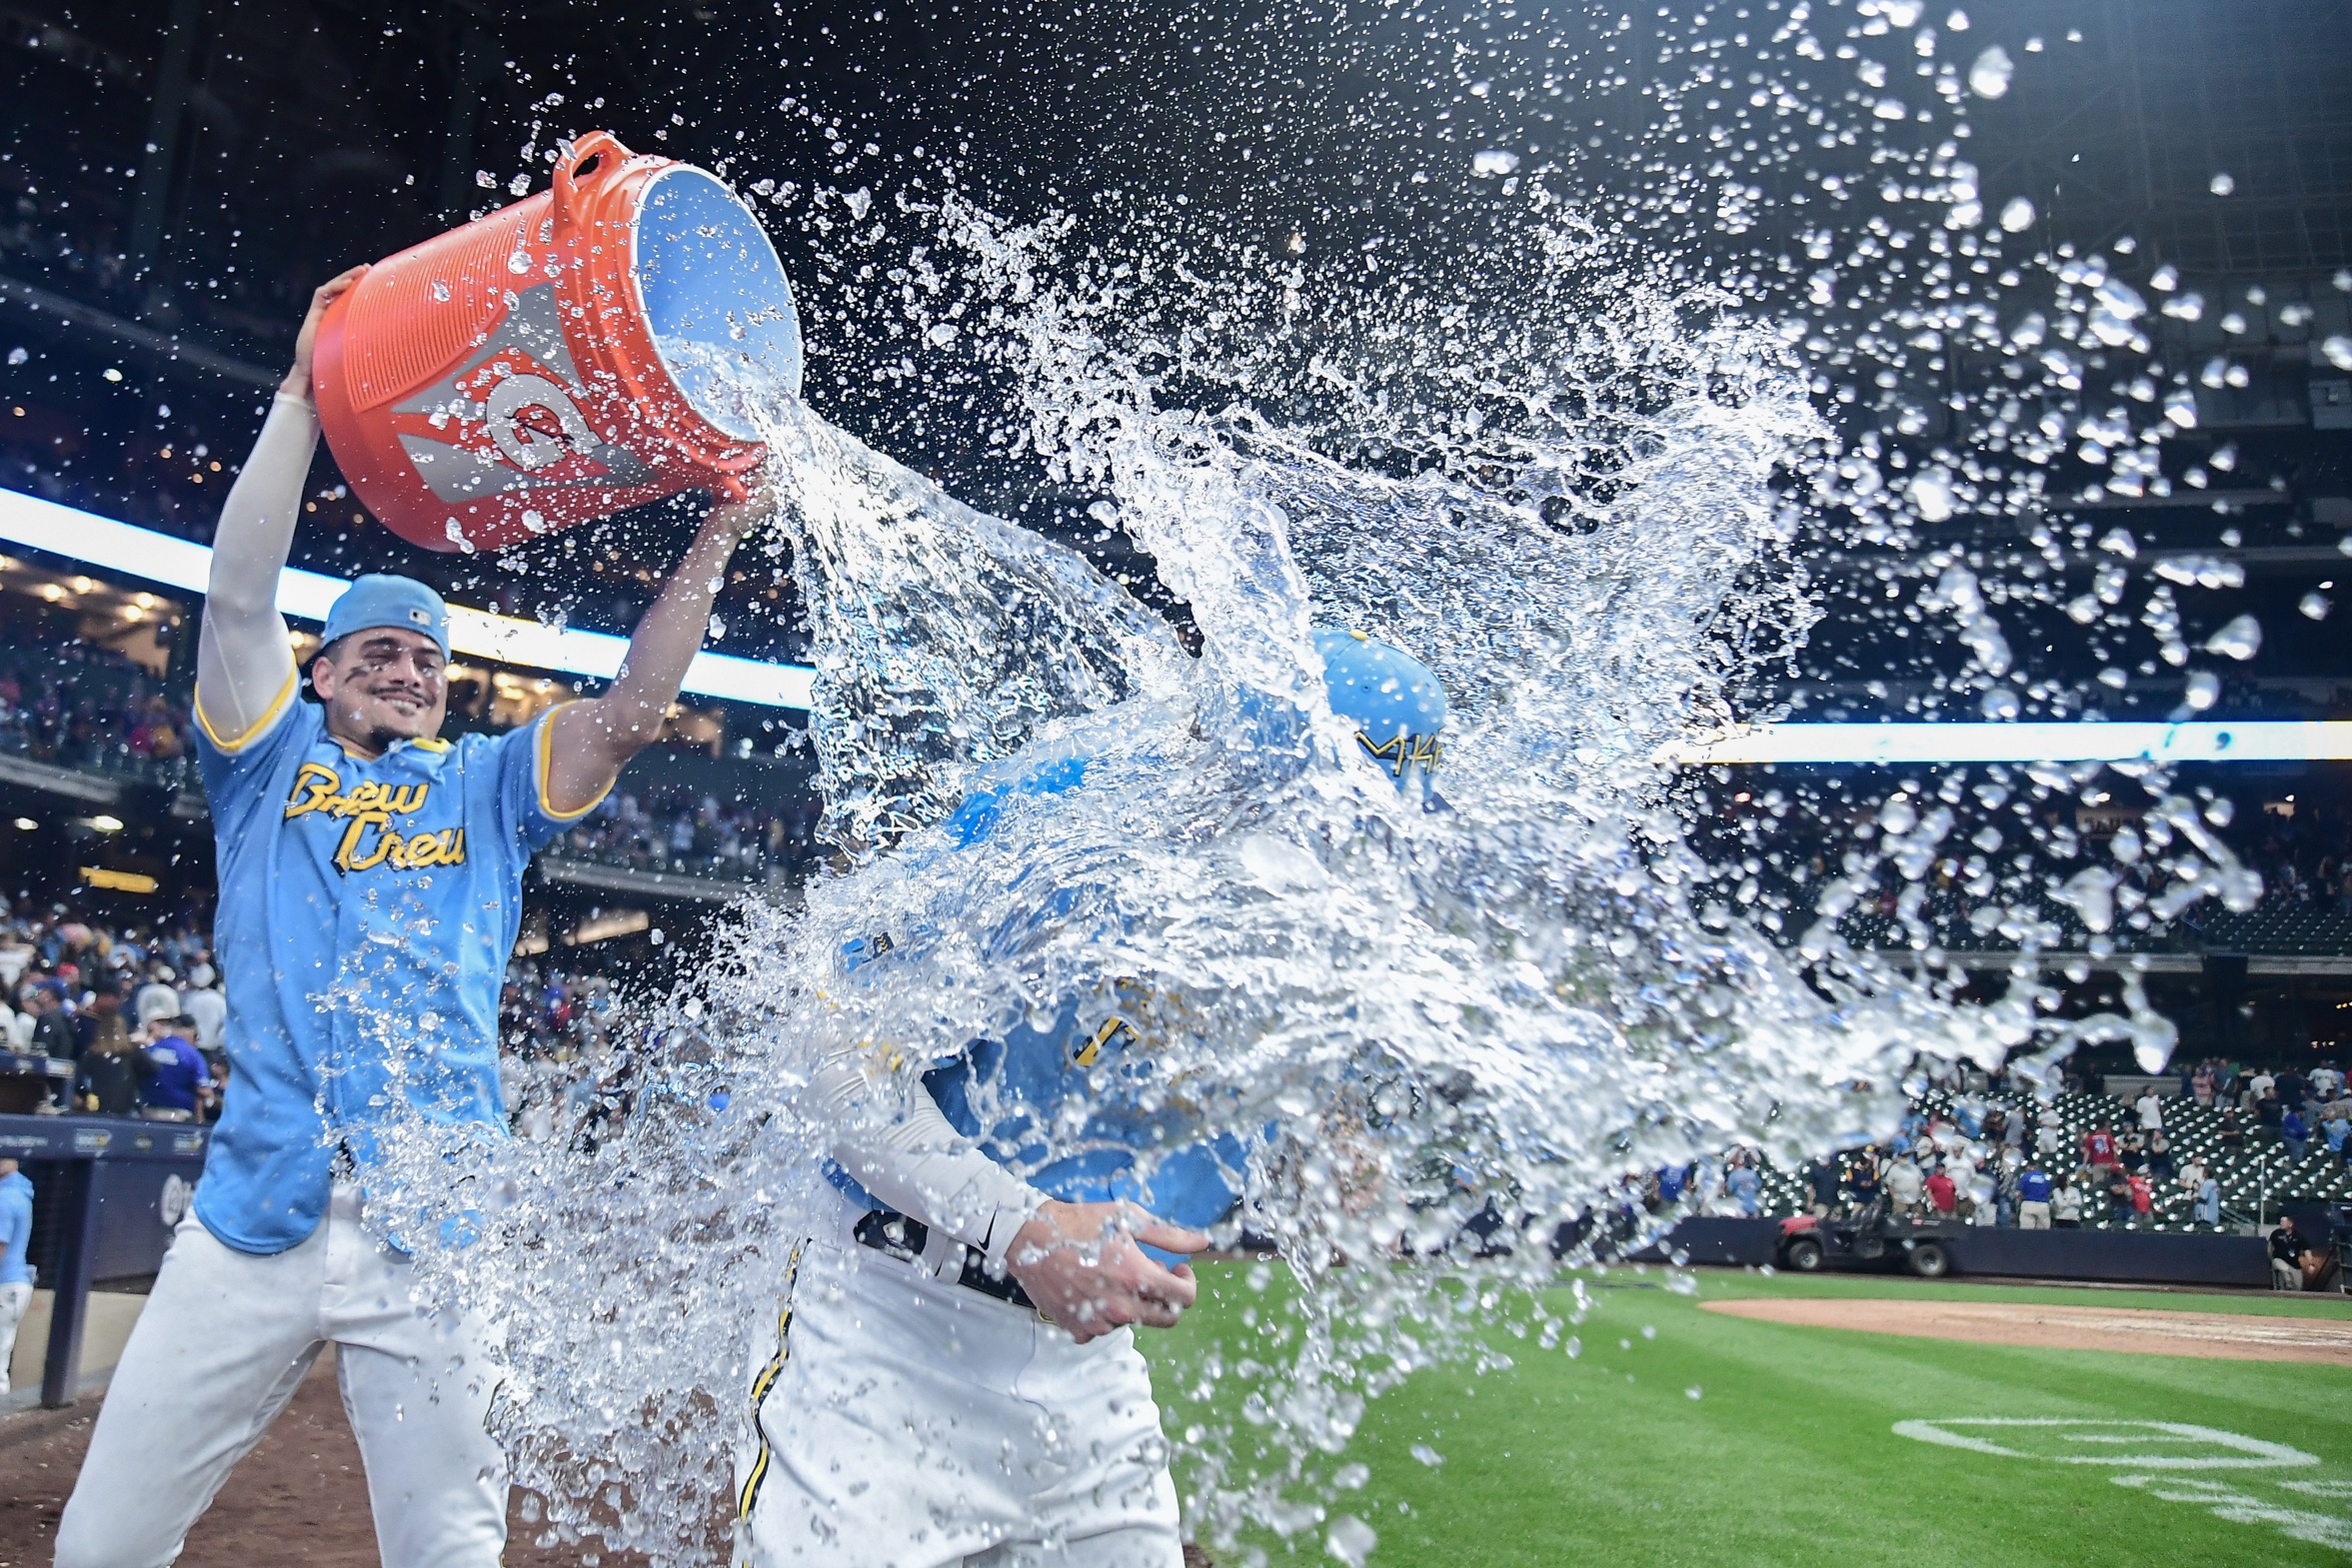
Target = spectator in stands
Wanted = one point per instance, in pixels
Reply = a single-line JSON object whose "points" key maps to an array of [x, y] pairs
{"points": [[2295, 1133], [2327, 1082], [2292, 1087], [108, 1080], [2131, 1151], [1745, 1185], [2118, 1193], [1863, 1175], [2142, 1194], [1943, 1195], [2286, 1256], [2033, 1197], [205, 1007], [2337, 1129], [1904, 1188], [2160, 1167], [157, 998], [2007, 1173], [1673, 1181], [1821, 1179], [2201, 1083], [53, 1025], [2232, 1134], [2208, 1191], [2066, 1202], [2049, 1136], [2151, 1109], [16, 1276], [2099, 1148], [178, 1080]]}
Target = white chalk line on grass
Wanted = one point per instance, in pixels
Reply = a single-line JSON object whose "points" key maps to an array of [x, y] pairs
{"points": [[2245, 1453], [2158, 1474]]}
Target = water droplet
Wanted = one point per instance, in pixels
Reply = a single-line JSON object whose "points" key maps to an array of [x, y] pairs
{"points": [[441, 290], [1429, 1456], [1990, 76], [1932, 495], [2202, 690], [1352, 1540], [2017, 215], [2000, 703], [484, 179], [18, 356], [1694, 1392], [2222, 185], [2240, 640], [1495, 162], [2314, 606], [2336, 346]]}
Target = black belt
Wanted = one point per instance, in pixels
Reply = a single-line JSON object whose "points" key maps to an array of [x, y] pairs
{"points": [[888, 1232]]}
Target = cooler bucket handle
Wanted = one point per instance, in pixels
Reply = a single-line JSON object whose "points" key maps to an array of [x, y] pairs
{"points": [[597, 155]]}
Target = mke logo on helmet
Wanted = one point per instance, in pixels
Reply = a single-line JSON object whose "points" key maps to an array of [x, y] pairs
{"points": [[371, 838]]}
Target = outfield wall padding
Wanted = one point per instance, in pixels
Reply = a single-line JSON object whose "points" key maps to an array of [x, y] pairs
{"points": [[2135, 1256], [2125, 1256]]}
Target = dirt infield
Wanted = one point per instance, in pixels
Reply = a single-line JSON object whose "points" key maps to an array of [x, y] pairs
{"points": [[2220, 1335], [300, 1497]]}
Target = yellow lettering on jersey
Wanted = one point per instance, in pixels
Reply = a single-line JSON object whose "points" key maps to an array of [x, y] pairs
{"points": [[372, 804], [1092, 1052]]}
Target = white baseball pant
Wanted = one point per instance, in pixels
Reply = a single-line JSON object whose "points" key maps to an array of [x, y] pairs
{"points": [[908, 1422], [225, 1338], [13, 1301]]}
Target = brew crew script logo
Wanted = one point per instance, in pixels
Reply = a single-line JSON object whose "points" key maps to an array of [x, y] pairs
{"points": [[372, 837]]}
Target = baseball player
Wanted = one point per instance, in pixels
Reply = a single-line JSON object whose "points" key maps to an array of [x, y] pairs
{"points": [[955, 1378], [371, 888], [16, 1275]]}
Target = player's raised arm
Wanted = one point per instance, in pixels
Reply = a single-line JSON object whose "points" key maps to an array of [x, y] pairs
{"points": [[244, 664], [593, 740]]}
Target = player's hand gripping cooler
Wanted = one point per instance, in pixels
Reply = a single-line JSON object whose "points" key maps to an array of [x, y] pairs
{"points": [[562, 359], [1083, 1108]]}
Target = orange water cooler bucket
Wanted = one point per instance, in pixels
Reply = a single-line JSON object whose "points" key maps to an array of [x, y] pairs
{"points": [[559, 360]]}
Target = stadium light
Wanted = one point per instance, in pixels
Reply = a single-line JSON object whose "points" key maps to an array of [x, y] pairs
{"points": [[155, 556], [2212, 740]]}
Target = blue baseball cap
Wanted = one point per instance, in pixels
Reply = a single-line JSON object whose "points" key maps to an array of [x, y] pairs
{"points": [[381, 599], [1394, 699]]}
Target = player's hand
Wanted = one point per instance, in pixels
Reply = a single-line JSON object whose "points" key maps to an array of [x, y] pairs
{"points": [[306, 342], [1085, 1267], [729, 521]]}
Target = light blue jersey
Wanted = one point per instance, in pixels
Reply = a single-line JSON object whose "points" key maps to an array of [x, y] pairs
{"points": [[1082, 1110], [367, 910], [16, 1228]]}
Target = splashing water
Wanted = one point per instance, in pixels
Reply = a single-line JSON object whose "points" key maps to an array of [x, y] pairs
{"points": [[1587, 500]]}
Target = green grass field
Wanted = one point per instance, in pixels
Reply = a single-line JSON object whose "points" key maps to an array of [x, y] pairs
{"points": [[1789, 1452]]}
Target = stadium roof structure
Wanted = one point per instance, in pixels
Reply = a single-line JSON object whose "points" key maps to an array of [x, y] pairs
{"points": [[74, 535]]}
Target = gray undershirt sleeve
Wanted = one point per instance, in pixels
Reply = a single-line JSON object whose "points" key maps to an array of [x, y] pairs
{"points": [[918, 1164]]}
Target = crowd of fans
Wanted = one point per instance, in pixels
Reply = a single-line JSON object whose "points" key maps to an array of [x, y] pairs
{"points": [[1962, 1156], [129, 1020], [2306, 859], [83, 707], [677, 830], [129, 1024]]}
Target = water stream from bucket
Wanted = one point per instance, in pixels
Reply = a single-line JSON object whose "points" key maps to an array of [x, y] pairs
{"points": [[1588, 499]]}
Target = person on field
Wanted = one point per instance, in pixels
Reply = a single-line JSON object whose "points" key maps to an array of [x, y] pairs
{"points": [[2287, 1255], [371, 879]]}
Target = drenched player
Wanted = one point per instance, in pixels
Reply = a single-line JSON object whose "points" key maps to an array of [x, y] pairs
{"points": [[371, 888], [956, 1378]]}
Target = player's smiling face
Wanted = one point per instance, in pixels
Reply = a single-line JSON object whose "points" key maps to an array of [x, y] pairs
{"points": [[383, 684]]}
